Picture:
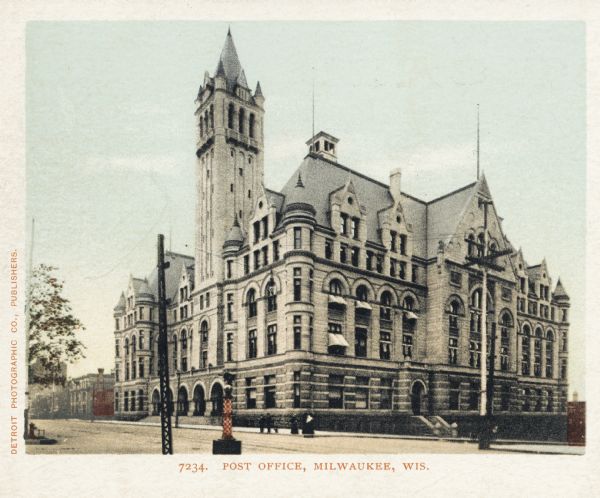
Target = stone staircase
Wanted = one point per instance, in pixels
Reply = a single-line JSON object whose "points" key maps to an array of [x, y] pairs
{"points": [[431, 425]]}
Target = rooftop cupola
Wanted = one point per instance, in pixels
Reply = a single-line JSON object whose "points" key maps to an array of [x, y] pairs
{"points": [[323, 145]]}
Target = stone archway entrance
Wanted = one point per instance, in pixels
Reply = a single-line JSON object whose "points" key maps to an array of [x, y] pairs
{"points": [[182, 401], [155, 402], [199, 401], [418, 396], [216, 398]]}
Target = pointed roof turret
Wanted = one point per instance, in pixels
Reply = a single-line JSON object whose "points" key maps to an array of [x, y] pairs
{"points": [[299, 199], [242, 79], [258, 91], [230, 61], [121, 304], [144, 290], [220, 69], [559, 292], [235, 237]]}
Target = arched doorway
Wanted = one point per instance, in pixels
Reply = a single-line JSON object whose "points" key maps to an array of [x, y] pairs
{"points": [[216, 398], [155, 402], [199, 401], [418, 394], [182, 401]]}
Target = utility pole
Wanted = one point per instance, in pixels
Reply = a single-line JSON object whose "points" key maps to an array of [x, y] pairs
{"points": [[163, 358], [486, 261]]}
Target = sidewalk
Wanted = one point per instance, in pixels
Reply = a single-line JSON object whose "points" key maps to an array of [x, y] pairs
{"points": [[535, 447]]}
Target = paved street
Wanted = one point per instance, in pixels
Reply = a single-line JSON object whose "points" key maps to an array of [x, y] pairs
{"points": [[81, 437]]}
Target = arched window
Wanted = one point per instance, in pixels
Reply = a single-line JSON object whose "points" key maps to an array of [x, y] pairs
{"points": [[453, 314], [251, 126], [335, 287], [126, 348], [230, 114], [549, 353], [505, 325], [212, 116], [385, 306], [408, 303], [362, 293], [271, 292], [476, 299], [141, 340], [204, 332], [175, 365], [251, 302], [525, 349], [206, 122], [183, 341], [133, 344], [201, 125], [453, 331], [241, 119], [537, 352]]}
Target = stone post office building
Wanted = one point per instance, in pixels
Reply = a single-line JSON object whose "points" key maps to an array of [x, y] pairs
{"points": [[339, 295]]}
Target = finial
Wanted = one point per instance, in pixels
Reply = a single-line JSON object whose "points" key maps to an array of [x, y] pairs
{"points": [[235, 220], [299, 182], [229, 30]]}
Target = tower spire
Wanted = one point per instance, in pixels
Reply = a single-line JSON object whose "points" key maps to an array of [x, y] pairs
{"points": [[313, 108], [478, 141]]}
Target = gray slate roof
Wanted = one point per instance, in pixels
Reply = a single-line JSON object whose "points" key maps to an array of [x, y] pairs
{"points": [[172, 274], [444, 214], [321, 177], [430, 222]]}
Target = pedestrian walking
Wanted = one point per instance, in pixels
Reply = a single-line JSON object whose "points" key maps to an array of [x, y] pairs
{"points": [[261, 423], [294, 425], [269, 423]]}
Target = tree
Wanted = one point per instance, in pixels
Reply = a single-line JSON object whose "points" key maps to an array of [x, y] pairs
{"points": [[53, 329]]}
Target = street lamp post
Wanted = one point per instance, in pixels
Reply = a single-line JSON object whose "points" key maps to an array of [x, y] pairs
{"points": [[177, 395]]}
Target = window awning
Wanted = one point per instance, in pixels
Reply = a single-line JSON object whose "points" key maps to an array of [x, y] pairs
{"points": [[334, 298], [363, 305], [410, 315], [338, 340]]}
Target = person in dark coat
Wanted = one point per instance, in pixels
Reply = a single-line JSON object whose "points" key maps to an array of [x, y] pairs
{"points": [[294, 425], [309, 425], [304, 417], [269, 423], [261, 423]]}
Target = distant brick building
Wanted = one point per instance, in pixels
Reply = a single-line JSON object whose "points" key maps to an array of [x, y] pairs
{"points": [[340, 294], [89, 395]]}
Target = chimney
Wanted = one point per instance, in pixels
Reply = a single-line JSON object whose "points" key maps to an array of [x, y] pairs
{"points": [[395, 183], [323, 145]]}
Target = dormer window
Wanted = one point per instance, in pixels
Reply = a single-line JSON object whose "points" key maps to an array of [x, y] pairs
{"points": [[354, 228], [344, 224]]}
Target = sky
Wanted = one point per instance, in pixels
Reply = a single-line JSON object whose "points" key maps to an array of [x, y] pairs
{"points": [[111, 135]]}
